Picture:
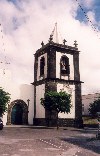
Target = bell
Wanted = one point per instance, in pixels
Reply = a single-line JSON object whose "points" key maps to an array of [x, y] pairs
{"points": [[63, 67]]}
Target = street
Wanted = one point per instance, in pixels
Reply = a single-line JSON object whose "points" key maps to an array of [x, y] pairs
{"points": [[32, 141]]}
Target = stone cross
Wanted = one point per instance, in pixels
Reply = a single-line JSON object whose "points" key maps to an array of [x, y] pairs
{"points": [[51, 38], [64, 41], [75, 44], [42, 43]]}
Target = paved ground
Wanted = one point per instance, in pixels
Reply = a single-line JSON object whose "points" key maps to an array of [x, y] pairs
{"points": [[30, 141]]}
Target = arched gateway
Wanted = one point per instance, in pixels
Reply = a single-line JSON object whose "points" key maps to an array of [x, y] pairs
{"points": [[17, 113]]}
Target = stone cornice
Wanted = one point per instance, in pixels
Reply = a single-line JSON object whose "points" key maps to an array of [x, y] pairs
{"points": [[56, 80], [58, 47]]}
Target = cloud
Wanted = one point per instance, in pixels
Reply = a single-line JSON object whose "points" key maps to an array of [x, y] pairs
{"points": [[88, 3], [91, 16], [26, 24]]}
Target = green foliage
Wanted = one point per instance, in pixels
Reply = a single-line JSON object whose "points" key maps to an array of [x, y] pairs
{"points": [[94, 107], [4, 100], [59, 102], [89, 120]]}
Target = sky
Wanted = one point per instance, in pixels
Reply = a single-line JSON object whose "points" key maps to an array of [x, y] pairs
{"points": [[26, 23]]}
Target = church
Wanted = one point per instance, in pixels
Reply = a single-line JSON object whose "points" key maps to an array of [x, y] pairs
{"points": [[56, 68]]}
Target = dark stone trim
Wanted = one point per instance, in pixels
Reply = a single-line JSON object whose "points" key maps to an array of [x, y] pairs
{"points": [[56, 80], [65, 122], [58, 47], [62, 122], [78, 102], [39, 122], [35, 68], [50, 86], [51, 63], [76, 67], [90, 125], [78, 123], [78, 106]]}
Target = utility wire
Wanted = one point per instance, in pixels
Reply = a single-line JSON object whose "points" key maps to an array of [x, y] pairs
{"points": [[3, 50], [88, 19]]}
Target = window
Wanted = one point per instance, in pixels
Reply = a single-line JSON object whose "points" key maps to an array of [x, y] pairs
{"points": [[42, 64], [64, 65]]}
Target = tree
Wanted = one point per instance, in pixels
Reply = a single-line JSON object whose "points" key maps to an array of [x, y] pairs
{"points": [[58, 102], [94, 107], [4, 100]]}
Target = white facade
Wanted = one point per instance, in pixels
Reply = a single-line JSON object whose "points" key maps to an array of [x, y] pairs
{"points": [[17, 92], [40, 111], [31, 94], [27, 92], [70, 89], [86, 100]]}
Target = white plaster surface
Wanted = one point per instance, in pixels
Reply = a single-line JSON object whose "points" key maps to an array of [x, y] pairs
{"points": [[27, 92], [40, 112], [87, 99], [17, 91], [70, 89]]}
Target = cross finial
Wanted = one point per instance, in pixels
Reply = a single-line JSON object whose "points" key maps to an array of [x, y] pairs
{"points": [[75, 44], [64, 41], [42, 43], [51, 38]]}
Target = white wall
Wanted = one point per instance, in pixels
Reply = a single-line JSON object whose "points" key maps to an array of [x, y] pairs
{"points": [[70, 90], [58, 57], [14, 91], [40, 111], [17, 91], [8, 86], [45, 67], [87, 99], [27, 92]]}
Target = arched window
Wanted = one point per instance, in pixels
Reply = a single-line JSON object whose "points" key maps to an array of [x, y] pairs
{"points": [[42, 64], [64, 65]]}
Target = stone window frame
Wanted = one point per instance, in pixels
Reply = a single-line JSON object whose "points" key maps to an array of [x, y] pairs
{"points": [[64, 63]]}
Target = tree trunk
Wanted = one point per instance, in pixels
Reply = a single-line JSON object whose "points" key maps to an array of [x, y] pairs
{"points": [[57, 121]]}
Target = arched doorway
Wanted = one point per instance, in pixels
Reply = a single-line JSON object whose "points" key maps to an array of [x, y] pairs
{"points": [[17, 113]]}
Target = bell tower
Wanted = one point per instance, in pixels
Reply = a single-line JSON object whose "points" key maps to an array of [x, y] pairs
{"points": [[56, 68]]}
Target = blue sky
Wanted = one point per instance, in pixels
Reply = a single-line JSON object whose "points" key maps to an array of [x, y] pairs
{"points": [[26, 23], [95, 8]]}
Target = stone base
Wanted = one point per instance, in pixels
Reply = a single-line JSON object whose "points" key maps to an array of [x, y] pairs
{"points": [[39, 122], [62, 122], [98, 135], [78, 123]]}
